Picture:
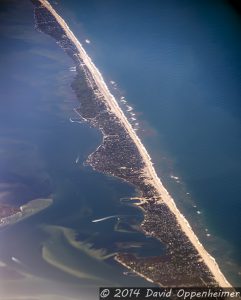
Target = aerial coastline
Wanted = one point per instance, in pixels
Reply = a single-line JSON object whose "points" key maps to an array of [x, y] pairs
{"points": [[10, 215], [162, 219]]}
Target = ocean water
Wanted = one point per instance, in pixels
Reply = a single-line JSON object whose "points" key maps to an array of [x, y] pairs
{"points": [[59, 252], [178, 64], [179, 67]]}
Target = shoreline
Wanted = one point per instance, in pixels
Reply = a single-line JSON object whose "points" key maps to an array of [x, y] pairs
{"points": [[149, 170]]}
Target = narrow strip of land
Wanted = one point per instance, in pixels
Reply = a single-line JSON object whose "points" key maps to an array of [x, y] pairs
{"points": [[150, 173]]}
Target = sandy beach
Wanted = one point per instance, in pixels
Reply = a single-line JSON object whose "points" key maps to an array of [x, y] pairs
{"points": [[149, 170]]}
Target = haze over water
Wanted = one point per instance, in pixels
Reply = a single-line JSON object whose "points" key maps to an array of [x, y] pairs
{"points": [[179, 66]]}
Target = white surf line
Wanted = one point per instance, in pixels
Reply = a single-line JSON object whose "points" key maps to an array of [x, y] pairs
{"points": [[77, 159], [150, 171]]}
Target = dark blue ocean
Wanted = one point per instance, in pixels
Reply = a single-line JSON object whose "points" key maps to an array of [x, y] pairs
{"points": [[178, 65]]}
